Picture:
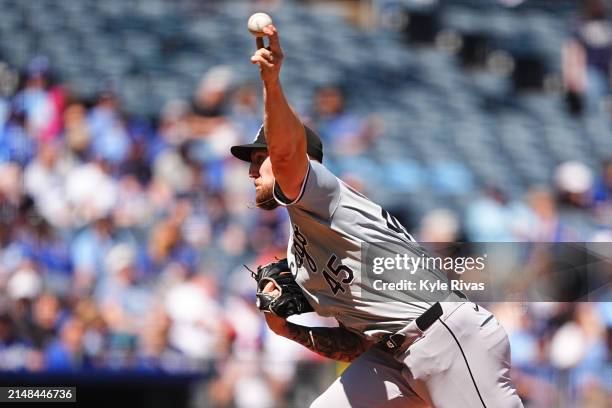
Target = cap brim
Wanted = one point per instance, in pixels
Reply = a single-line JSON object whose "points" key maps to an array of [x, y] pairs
{"points": [[243, 152]]}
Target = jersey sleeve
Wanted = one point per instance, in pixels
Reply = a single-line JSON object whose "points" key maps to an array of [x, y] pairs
{"points": [[320, 192]]}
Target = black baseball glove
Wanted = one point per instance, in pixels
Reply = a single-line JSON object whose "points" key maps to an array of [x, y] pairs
{"points": [[290, 300]]}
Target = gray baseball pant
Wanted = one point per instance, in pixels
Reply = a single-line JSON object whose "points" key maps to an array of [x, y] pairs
{"points": [[461, 360]]}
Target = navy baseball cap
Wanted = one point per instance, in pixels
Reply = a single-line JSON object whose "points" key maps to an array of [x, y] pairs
{"points": [[314, 146]]}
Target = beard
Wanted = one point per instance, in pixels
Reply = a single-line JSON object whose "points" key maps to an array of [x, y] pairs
{"points": [[264, 198]]}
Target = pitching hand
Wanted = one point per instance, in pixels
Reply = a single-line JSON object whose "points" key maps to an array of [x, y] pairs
{"points": [[269, 59]]}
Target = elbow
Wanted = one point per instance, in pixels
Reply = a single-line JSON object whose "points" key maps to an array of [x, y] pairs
{"points": [[282, 156], [286, 158]]}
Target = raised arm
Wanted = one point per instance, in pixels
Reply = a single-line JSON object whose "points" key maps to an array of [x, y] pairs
{"points": [[336, 343], [285, 133]]}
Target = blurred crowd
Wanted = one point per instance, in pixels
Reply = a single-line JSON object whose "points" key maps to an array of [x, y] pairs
{"points": [[587, 59], [123, 239], [560, 352]]}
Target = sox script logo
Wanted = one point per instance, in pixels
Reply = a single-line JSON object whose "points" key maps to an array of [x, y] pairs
{"points": [[337, 276], [300, 251]]}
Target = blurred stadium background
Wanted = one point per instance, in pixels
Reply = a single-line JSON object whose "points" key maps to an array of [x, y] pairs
{"points": [[124, 222]]}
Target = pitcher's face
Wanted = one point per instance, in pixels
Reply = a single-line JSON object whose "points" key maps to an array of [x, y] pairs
{"points": [[260, 171]]}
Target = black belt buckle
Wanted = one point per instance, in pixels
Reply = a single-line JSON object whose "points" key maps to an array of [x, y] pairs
{"points": [[394, 341]]}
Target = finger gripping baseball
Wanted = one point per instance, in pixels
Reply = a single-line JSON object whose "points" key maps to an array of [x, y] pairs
{"points": [[259, 42], [290, 299]]}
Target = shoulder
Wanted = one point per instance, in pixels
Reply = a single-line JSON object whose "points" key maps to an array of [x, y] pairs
{"points": [[319, 194]]}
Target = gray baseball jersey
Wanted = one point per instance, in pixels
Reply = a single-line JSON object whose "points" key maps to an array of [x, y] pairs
{"points": [[331, 224]]}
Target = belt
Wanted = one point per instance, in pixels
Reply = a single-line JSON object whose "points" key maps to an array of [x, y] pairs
{"points": [[393, 342]]}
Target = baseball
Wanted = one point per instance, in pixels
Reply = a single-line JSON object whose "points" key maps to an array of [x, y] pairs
{"points": [[257, 22]]}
